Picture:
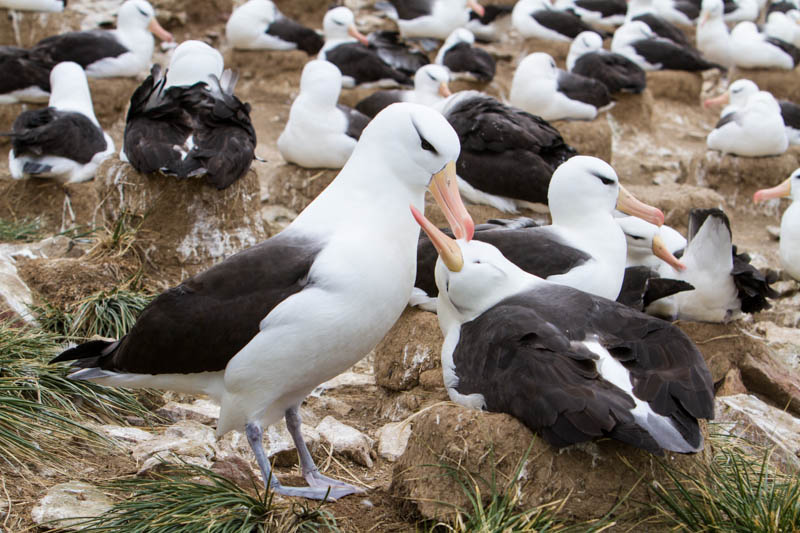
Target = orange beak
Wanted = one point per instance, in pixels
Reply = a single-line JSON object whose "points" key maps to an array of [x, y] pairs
{"points": [[628, 204], [476, 7], [157, 30], [779, 191], [444, 90], [444, 188], [723, 99], [446, 247], [660, 250], [352, 31], [704, 18]]}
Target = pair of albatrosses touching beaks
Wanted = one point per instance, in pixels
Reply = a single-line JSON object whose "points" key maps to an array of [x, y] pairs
{"points": [[444, 188]]}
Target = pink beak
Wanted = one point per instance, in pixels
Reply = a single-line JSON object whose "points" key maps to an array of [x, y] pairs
{"points": [[444, 188], [352, 31], [157, 30], [723, 99], [660, 250], [448, 248], [628, 204], [476, 7], [779, 191]]}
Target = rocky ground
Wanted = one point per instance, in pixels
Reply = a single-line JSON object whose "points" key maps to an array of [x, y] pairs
{"points": [[387, 423]]}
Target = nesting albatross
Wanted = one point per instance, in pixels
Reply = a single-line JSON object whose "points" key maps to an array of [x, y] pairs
{"points": [[569, 365], [261, 329]]}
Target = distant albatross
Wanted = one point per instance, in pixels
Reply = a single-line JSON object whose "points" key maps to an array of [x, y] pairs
{"points": [[259, 25], [261, 329], [125, 51], [63, 141], [188, 123], [34, 5], [569, 365], [432, 19]]}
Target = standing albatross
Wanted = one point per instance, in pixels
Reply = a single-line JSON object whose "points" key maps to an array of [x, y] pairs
{"points": [[261, 329]]}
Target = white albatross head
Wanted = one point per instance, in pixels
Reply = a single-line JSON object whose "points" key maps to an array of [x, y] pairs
{"points": [[140, 15], [584, 186], [644, 239], [69, 90], [538, 65], [431, 82], [735, 97], [584, 43], [340, 24], [193, 62], [320, 83]]}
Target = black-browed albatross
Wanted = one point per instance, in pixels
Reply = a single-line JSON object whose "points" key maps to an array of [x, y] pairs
{"points": [[569, 365], [261, 329]]}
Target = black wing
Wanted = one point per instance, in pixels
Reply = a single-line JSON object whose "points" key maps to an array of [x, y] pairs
{"points": [[491, 13], [464, 57], [607, 8], [24, 70], [537, 250], [156, 123], [672, 56], [411, 9], [356, 121], [363, 64], [564, 22], [82, 47], [374, 103], [788, 48], [642, 286], [225, 140], [202, 323], [615, 71], [752, 284], [664, 28], [690, 9], [791, 114], [729, 117], [395, 53], [504, 150], [521, 355], [49, 131], [306, 39], [583, 89], [783, 7]]}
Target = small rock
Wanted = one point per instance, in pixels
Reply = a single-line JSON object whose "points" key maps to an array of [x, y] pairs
{"points": [[346, 379], [773, 380], [187, 440], [334, 404], [393, 439], [732, 384], [346, 441], [126, 434], [746, 416], [774, 232], [68, 504], [235, 469], [202, 411]]}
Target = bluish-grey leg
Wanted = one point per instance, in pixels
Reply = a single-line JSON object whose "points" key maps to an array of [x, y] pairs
{"points": [[310, 471], [254, 433]]}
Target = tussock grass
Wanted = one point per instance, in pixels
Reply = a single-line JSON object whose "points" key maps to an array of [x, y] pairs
{"points": [[739, 492], [39, 406], [104, 313], [185, 498], [25, 230]]}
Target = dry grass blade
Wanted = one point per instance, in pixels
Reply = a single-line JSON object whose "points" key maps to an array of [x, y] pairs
{"points": [[185, 498]]}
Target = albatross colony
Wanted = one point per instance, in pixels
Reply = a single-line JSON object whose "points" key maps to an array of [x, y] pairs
{"points": [[261, 329]]}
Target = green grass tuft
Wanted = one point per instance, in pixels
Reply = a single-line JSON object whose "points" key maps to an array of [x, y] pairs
{"points": [[39, 406], [105, 313], [25, 230], [739, 492], [184, 498]]}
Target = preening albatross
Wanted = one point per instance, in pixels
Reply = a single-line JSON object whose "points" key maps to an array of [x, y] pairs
{"points": [[261, 329], [569, 365]]}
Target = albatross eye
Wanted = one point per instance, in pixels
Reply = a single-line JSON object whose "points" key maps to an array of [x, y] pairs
{"points": [[428, 146], [142, 12], [636, 237]]}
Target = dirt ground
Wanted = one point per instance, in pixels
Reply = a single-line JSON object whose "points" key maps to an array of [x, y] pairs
{"points": [[657, 145]]}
